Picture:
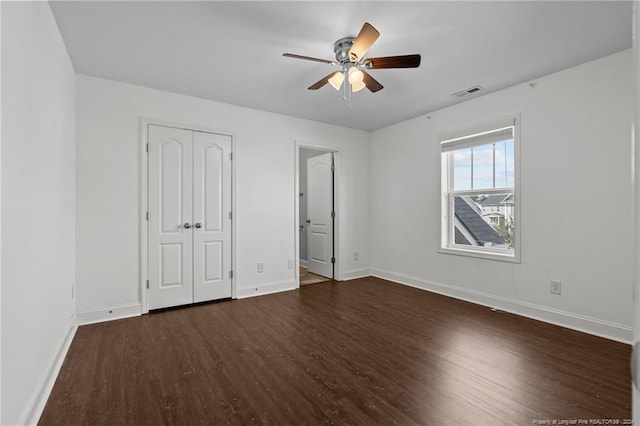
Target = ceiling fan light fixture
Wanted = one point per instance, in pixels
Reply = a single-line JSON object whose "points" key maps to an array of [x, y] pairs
{"points": [[357, 86], [336, 80], [355, 75]]}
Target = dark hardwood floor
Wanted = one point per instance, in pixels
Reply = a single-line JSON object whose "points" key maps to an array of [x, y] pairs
{"points": [[360, 352]]}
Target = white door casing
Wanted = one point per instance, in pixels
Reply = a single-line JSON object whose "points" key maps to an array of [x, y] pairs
{"points": [[319, 210], [212, 216], [170, 207], [635, 354], [189, 223]]}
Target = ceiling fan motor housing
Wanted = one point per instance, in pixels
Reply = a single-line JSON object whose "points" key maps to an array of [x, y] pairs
{"points": [[341, 49]]}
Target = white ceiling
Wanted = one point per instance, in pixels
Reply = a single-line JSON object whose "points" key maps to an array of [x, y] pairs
{"points": [[232, 51]]}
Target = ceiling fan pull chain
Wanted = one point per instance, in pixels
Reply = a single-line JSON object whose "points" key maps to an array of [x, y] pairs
{"points": [[344, 88]]}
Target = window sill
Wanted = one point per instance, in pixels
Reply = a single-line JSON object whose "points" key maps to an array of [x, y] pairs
{"points": [[502, 257]]}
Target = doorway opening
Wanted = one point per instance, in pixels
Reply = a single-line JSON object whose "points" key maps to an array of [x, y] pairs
{"points": [[316, 213]]}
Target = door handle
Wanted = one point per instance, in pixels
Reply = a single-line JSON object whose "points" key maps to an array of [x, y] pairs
{"points": [[198, 225], [308, 220], [187, 225]]}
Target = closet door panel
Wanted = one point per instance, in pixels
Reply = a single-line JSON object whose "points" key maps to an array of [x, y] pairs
{"points": [[211, 210], [170, 216]]}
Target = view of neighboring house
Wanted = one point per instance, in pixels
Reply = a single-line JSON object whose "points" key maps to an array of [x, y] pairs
{"points": [[470, 226], [496, 208]]}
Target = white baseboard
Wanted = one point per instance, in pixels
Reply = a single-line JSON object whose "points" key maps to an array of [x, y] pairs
{"points": [[597, 327], [36, 404], [109, 313], [303, 263], [586, 324], [266, 288], [356, 273]]}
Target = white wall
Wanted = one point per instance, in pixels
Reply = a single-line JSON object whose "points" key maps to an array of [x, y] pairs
{"points": [[108, 115], [575, 200], [38, 207]]}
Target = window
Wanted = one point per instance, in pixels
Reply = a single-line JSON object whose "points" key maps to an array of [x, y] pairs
{"points": [[480, 191]]}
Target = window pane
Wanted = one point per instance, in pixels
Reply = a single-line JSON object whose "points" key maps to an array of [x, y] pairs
{"points": [[484, 220], [462, 169], [504, 164], [483, 166], [510, 163]]}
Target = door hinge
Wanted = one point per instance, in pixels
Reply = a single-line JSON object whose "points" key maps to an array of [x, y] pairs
{"points": [[333, 167], [230, 215], [231, 156], [147, 147], [147, 216], [333, 215], [147, 284], [230, 274], [333, 260]]}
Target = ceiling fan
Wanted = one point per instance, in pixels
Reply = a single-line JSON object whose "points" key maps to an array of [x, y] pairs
{"points": [[353, 66]]}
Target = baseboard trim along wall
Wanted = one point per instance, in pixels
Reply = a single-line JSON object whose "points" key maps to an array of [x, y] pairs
{"points": [[36, 404], [109, 313], [267, 288], [303, 263], [356, 273], [590, 325]]}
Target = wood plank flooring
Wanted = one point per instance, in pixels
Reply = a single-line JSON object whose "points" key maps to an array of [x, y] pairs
{"points": [[360, 352], [307, 277]]}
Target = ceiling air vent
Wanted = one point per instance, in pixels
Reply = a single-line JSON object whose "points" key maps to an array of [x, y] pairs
{"points": [[469, 91]]}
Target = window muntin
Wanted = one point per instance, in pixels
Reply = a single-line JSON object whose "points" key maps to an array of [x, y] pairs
{"points": [[479, 188]]}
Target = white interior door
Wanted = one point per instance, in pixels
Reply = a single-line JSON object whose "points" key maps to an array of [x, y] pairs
{"points": [[189, 216], [170, 217], [212, 216], [319, 210]]}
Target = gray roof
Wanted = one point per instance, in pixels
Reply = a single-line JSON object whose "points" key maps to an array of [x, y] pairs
{"points": [[461, 239], [496, 200], [473, 222]]}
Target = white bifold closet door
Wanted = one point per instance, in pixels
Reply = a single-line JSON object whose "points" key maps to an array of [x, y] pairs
{"points": [[189, 216]]}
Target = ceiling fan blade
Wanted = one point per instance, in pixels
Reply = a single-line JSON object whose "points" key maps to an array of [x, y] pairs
{"points": [[404, 61], [307, 58], [372, 84], [366, 37], [318, 84]]}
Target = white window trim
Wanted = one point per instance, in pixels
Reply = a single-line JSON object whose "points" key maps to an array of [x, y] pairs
{"points": [[446, 173]]}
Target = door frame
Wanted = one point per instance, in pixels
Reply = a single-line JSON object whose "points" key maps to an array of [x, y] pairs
{"points": [[143, 192], [337, 271]]}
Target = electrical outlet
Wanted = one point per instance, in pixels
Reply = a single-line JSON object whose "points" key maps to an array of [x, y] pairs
{"points": [[356, 255], [291, 264], [260, 267], [555, 287]]}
